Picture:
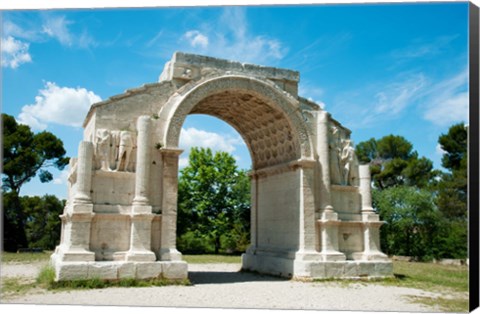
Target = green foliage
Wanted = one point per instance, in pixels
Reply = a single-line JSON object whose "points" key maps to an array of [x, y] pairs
{"points": [[25, 155], [213, 204], [411, 221], [40, 222], [454, 143], [46, 276], [452, 189], [393, 162], [425, 209], [43, 224]]}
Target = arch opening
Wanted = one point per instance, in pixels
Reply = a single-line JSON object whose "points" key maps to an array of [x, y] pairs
{"points": [[214, 209]]}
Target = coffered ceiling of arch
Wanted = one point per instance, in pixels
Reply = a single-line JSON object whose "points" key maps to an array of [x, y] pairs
{"points": [[264, 128]]}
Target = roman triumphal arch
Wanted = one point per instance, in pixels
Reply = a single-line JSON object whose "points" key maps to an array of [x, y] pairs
{"points": [[311, 212]]}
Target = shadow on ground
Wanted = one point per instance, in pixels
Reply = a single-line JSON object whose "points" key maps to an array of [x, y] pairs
{"points": [[219, 277]]}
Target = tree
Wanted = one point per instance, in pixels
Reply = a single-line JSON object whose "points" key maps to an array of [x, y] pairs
{"points": [[412, 221], [452, 189], [393, 162], [454, 144], [42, 226], [214, 203], [25, 155]]}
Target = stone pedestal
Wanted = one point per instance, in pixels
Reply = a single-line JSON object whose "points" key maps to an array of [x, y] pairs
{"points": [[76, 241], [78, 214], [329, 241], [140, 235]]}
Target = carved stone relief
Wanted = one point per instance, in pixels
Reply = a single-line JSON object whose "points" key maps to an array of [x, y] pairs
{"points": [[113, 150], [343, 161]]}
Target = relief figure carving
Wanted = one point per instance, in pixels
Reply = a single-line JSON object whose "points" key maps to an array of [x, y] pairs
{"points": [[348, 162], [125, 149], [335, 153], [103, 145]]}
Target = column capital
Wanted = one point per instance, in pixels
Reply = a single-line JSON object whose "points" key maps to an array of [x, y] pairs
{"points": [[173, 151]]}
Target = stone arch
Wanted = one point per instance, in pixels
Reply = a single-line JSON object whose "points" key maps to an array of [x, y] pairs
{"points": [[120, 222], [241, 101], [282, 218]]}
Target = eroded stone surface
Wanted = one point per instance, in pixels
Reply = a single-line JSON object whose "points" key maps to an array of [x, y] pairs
{"points": [[311, 206]]}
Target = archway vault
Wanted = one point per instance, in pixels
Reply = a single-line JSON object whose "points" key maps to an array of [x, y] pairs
{"points": [[268, 119], [311, 213]]}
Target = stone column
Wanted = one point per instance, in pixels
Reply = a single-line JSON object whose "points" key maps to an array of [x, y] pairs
{"points": [[142, 169], [84, 173], [328, 222], [326, 208], [365, 189], [168, 249], [141, 216], [77, 219], [371, 224]]}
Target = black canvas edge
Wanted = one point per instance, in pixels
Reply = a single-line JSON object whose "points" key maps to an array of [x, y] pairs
{"points": [[473, 178]]}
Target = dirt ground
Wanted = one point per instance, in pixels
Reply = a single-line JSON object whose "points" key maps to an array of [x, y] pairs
{"points": [[223, 286]]}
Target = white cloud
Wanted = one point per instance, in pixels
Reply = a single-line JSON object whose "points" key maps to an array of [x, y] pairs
{"points": [[396, 97], [420, 49], [49, 27], [229, 37], [192, 137], [14, 30], [60, 105], [447, 101], [196, 39], [14, 52], [439, 150], [62, 177], [57, 27]]}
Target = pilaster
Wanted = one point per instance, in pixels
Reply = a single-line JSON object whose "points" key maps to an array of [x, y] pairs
{"points": [[168, 248]]}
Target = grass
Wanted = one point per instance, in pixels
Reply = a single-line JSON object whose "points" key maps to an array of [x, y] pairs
{"points": [[8, 257], [445, 279], [431, 277], [206, 259]]}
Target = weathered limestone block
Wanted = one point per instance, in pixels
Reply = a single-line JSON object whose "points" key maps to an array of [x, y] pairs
{"points": [[175, 270], [70, 270], [103, 270], [126, 270], [148, 270]]}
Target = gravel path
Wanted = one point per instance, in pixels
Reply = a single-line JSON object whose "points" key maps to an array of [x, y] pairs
{"points": [[223, 286]]}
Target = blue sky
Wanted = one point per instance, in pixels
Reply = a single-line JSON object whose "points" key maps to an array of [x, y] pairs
{"points": [[378, 69]]}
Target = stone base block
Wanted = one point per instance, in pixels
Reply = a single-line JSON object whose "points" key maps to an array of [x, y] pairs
{"points": [[349, 269], [140, 256], [316, 269], [175, 270], [114, 270], [266, 264], [377, 256], [170, 255], [76, 255]]}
